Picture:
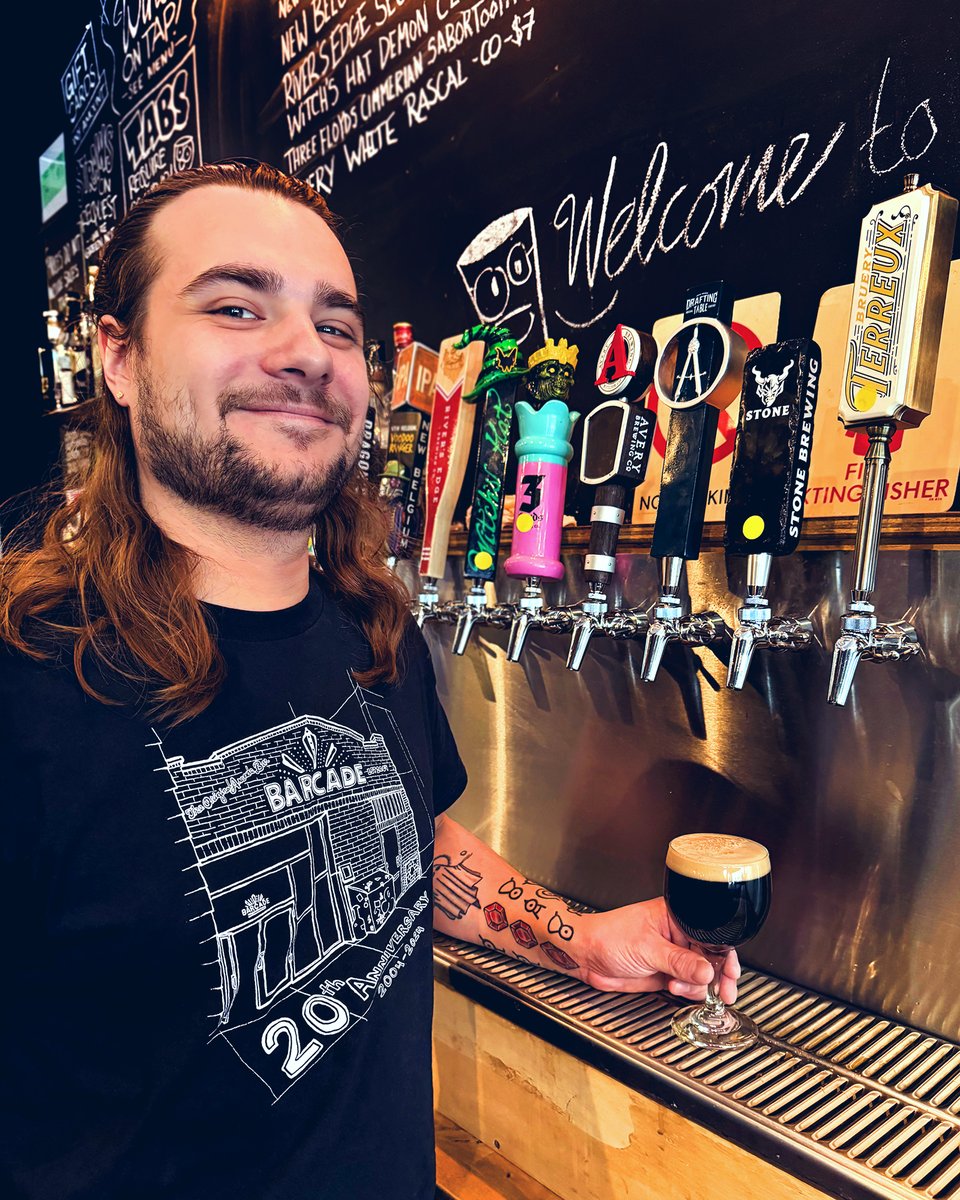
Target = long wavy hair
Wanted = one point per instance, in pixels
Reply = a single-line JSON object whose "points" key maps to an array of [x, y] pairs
{"points": [[108, 582]]}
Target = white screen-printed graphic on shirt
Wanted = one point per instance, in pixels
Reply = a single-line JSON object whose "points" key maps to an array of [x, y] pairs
{"points": [[312, 871]]}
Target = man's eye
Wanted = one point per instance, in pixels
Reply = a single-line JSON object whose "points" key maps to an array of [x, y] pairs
{"points": [[336, 330], [235, 310]]}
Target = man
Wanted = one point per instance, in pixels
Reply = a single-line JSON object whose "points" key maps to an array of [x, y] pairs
{"points": [[226, 766]]}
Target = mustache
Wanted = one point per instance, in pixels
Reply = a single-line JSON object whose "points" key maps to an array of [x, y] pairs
{"points": [[282, 396]]}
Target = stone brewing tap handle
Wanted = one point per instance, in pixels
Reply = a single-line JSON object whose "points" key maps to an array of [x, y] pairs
{"points": [[768, 485]]}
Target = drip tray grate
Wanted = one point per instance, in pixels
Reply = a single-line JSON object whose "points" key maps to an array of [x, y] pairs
{"points": [[856, 1104]]}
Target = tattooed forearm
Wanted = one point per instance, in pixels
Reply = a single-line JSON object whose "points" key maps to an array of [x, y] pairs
{"points": [[515, 916]]}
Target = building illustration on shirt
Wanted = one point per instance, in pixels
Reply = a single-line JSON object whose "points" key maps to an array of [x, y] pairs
{"points": [[306, 845]]}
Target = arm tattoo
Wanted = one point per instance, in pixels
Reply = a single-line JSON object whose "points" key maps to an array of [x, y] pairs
{"points": [[497, 919], [455, 886]]}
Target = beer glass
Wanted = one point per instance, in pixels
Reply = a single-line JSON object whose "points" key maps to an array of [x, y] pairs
{"points": [[717, 888]]}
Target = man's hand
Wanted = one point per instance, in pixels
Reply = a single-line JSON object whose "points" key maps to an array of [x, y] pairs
{"points": [[639, 949]]}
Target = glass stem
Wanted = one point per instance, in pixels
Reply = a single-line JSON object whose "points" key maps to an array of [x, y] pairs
{"points": [[713, 1004]]}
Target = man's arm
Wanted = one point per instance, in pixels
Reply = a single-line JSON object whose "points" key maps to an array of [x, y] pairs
{"points": [[478, 897]]}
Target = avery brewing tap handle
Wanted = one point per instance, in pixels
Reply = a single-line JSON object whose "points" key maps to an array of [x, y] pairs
{"points": [[617, 437]]}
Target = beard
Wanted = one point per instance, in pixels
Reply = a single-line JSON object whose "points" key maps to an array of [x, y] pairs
{"points": [[221, 475]]}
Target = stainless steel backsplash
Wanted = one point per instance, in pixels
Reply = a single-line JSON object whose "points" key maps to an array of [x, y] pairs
{"points": [[580, 780]]}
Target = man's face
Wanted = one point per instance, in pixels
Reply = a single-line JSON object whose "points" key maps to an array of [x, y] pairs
{"points": [[248, 394]]}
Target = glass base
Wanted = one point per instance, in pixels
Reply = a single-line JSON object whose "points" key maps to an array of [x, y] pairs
{"points": [[726, 1029]]}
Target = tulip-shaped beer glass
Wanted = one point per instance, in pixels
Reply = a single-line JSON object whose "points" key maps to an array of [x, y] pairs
{"points": [[717, 889]]}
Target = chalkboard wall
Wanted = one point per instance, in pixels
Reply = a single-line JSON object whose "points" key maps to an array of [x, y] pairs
{"points": [[553, 164]]}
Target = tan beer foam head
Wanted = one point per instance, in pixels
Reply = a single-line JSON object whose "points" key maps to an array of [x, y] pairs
{"points": [[718, 857]]}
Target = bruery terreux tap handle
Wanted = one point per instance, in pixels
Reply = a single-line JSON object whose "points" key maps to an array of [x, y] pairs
{"points": [[451, 431], [768, 486], [698, 373], [889, 372], [502, 372], [543, 452], [617, 436]]}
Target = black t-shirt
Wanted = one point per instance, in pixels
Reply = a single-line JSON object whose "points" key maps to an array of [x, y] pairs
{"points": [[217, 966]]}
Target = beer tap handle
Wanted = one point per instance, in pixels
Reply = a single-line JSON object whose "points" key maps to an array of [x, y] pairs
{"points": [[543, 451], [904, 263], [451, 432], [768, 484], [698, 373], [617, 437], [771, 459], [502, 373], [400, 484]]}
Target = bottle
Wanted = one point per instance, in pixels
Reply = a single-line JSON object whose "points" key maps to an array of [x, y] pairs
{"points": [[376, 430]]}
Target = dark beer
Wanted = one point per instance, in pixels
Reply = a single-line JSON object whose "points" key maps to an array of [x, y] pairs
{"points": [[717, 887]]}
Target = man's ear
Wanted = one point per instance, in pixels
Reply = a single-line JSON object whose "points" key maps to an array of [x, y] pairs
{"points": [[115, 356]]}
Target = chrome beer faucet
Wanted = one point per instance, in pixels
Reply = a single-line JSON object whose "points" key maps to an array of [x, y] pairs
{"points": [[529, 613], [756, 627], [475, 609], [911, 238], [862, 636]]}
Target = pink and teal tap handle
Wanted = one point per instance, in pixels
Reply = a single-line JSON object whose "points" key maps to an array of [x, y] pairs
{"points": [[543, 451]]}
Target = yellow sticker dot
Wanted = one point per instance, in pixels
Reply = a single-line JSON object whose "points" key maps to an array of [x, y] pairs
{"points": [[865, 398], [524, 522], [482, 560], [753, 527]]}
